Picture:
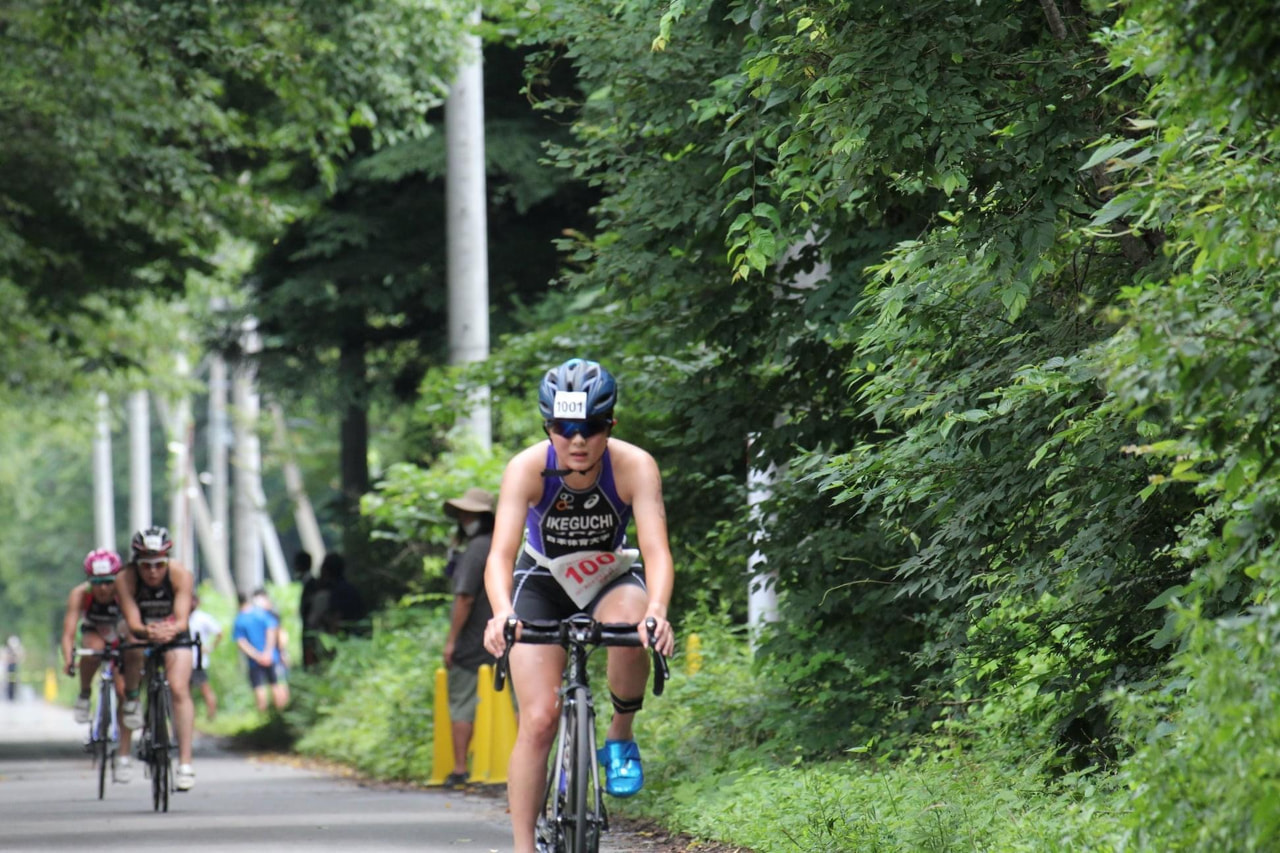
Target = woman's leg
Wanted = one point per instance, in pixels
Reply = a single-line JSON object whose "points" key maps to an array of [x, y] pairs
{"points": [[536, 673], [628, 667]]}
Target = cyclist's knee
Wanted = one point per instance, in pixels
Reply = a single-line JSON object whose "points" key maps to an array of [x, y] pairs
{"points": [[539, 721]]}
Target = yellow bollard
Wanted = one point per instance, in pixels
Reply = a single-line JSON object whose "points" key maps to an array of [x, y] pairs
{"points": [[50, 686], [442, 740], [480, 753], [693, 655], [502, 735]]}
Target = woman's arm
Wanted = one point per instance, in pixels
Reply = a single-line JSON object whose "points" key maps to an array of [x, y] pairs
{"points": [[70, 623]]}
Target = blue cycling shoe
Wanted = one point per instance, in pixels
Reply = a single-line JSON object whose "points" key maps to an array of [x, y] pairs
{"points": [[624, 776]]}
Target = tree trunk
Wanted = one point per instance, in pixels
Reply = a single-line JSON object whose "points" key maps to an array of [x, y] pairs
{"points": [[355, 442]]}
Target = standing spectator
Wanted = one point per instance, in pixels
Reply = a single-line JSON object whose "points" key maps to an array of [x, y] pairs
{"points": [[308, 614], [341, 605], [282, 664], [12, 656], [255, 635], [464, 650], [207, 630]]}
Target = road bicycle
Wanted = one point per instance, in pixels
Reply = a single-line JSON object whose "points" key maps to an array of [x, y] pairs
{"points": [[104, 726], [158, 740], [573, 814]]}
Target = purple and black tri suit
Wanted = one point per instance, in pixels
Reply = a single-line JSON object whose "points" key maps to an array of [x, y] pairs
{"points": [[563, 521]]}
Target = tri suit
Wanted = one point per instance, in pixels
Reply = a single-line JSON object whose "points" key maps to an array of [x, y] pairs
{"points": [[155, 603], [105, 620], [568, 521]]}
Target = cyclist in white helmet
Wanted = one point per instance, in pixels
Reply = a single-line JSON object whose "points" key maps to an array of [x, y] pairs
{"points": [[568, 498]]}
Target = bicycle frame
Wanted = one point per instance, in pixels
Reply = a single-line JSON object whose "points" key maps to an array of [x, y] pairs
{"points": [[104, 727], [157, 729], [574, 815]]}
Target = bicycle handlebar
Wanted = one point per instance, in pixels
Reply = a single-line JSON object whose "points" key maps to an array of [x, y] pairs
{"points": [[150, 649], [582, 630]]}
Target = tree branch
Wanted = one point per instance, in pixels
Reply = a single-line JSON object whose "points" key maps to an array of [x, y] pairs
{"points": [[1056, 26]]}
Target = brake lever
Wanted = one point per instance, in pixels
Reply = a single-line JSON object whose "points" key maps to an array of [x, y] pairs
{"points": [[661, 673], [500, 669]]}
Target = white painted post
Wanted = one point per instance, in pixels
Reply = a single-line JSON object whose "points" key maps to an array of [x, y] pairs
{"points": [[304, 516], [762, 595], [467, 246], [215, 560], [247, 464], [270, 539], [219, 440], [139, 462], [104, 512]]}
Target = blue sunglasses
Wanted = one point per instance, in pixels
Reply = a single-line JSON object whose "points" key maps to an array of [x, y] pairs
{"points": [[587, 428]]}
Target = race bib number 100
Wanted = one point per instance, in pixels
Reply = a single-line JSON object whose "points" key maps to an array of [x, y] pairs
{"points": [[570, 405], [583, 574]]}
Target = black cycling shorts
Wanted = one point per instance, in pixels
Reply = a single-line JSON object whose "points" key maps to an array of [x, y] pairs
{"points": [[539, 597]]}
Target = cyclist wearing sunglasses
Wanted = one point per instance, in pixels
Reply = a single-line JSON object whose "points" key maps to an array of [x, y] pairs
{"points": [[94, 614], [570, 499], [155, 595]]}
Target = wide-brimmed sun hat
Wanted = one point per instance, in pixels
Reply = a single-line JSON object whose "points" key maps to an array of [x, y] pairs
{"points": [[473, 500]]}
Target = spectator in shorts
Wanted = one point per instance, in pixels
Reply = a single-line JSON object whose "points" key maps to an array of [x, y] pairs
{"points": [[255, 634], [205, 628], [464, 650], [282, 662]]}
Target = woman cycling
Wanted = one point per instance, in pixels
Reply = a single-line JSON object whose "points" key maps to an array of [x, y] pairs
{"points": [[94, 613], [569, 497]]}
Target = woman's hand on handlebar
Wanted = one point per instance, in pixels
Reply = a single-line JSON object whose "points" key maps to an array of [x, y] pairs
{"points": [[495, 641], [663, 639]]}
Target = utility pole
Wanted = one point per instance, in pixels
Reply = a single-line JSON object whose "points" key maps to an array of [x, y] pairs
{"points": [[219, 439], [304, 516], [467, 228], [104, 512], [178, 424], [247, 461], [139, 462]]}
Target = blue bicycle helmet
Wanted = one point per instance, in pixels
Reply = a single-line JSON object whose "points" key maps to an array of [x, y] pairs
{"points": [[579, 375]]}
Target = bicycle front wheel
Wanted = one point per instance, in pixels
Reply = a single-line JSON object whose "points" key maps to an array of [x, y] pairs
{"points": [[580, 824], [158, 754], [101, 739]]}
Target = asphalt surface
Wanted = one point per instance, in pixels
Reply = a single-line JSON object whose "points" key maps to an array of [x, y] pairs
{"points": [[49, 802]]}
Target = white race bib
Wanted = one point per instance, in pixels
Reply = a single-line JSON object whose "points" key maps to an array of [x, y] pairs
{"points": [[583, 574]]}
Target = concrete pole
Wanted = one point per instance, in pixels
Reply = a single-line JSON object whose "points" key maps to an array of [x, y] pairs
{"points": [[270, 539], [104, 512], [139, 462], [304, 516], [467, 229], [219, 440], [180, 452], [762, 600], [247, 464], [215, 560]]}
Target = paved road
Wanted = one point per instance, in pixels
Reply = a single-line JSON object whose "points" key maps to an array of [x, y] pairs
{"points": [[48, 802]]}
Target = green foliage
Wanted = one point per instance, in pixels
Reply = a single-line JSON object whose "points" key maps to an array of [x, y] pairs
{"points": [[1203, 775], [714, 769], [371, 706], [406, 509]]}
